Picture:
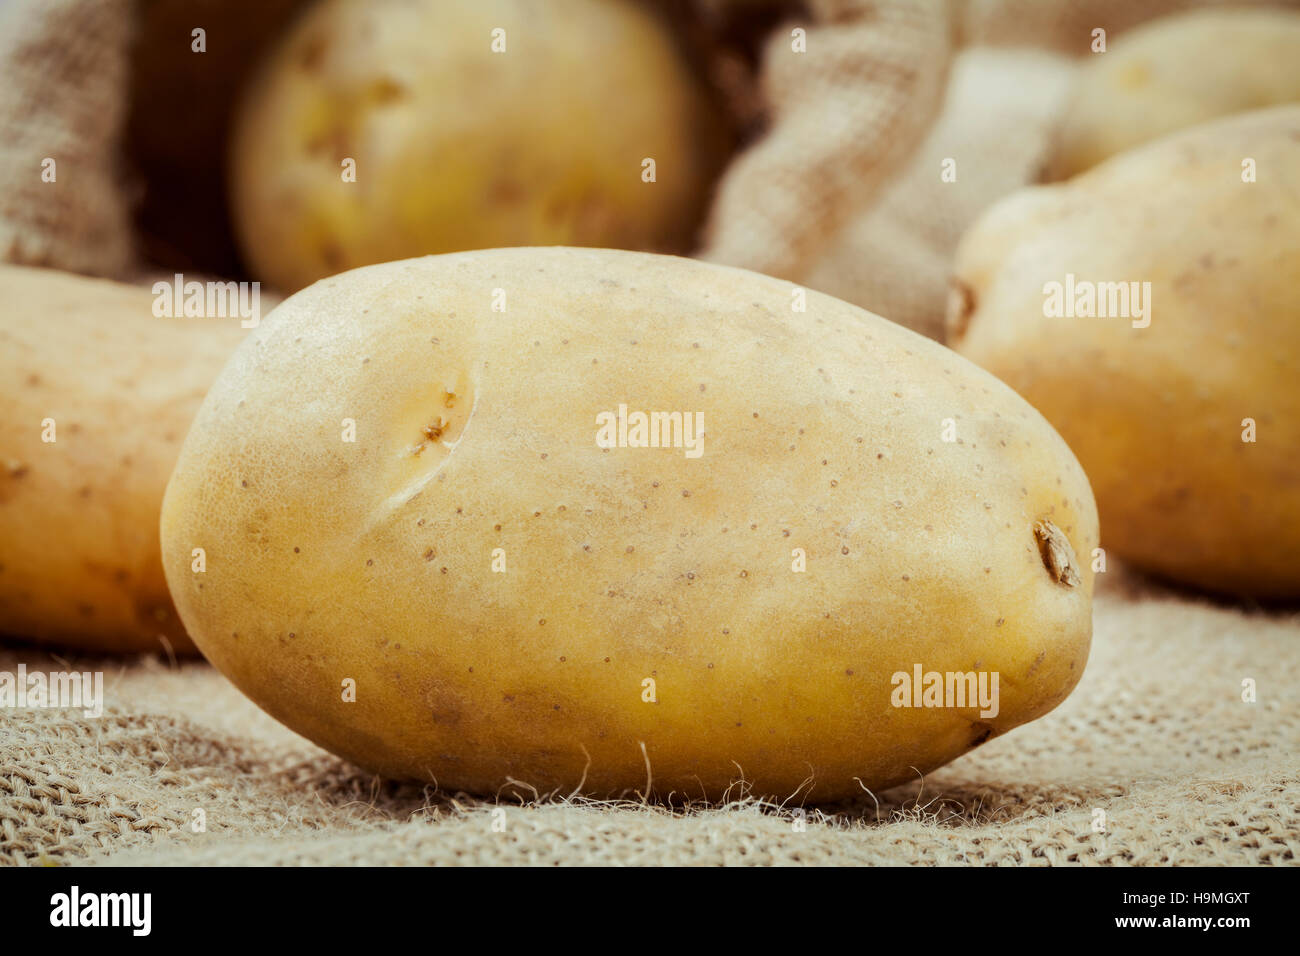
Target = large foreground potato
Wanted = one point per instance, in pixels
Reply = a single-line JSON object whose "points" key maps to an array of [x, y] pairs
{"points": [[1158, 414], [1175, 72], [513, 600], [460, 147], [86, 363]]}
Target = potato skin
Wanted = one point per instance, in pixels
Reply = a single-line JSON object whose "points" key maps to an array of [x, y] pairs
{"points": [[457, 147], [79, 550], [1156, 414], [372, 561], [1175, 72]]}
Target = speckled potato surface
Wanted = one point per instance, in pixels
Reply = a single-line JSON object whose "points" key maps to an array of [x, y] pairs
{"points": [[1175, 72], [459, 147], [1157, 414], [79, 552], [372, 561]]}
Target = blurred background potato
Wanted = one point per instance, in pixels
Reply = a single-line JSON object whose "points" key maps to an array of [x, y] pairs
{"points": [[1174, 72], [1157, 414], [459, 146], [87, 363]]}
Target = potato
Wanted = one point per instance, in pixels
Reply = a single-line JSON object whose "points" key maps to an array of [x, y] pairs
{"points": [[513, 600], [1159, 415], [87, 364], [459, 147], [1175, 72]]}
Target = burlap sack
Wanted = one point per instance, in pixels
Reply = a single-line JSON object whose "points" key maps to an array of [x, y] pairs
{"points": [[63, 77], [848, 103], [844, 195], [1155, 758], [895, 257]]}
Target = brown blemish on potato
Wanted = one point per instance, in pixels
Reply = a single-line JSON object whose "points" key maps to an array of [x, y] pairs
{"points": [[386, 91], [332, 255], [961, 306], [1042, 656], [313, 53], [1058, 557], [506, 192]]}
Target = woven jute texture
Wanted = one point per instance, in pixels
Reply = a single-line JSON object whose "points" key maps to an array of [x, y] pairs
{"points": [[857, 133], [63, 76], [912, 229], [1156, 736], [893, 247], [846, 108]]}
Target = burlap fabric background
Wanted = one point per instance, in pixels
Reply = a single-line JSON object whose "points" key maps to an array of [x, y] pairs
{"points": [[842, 193]]}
